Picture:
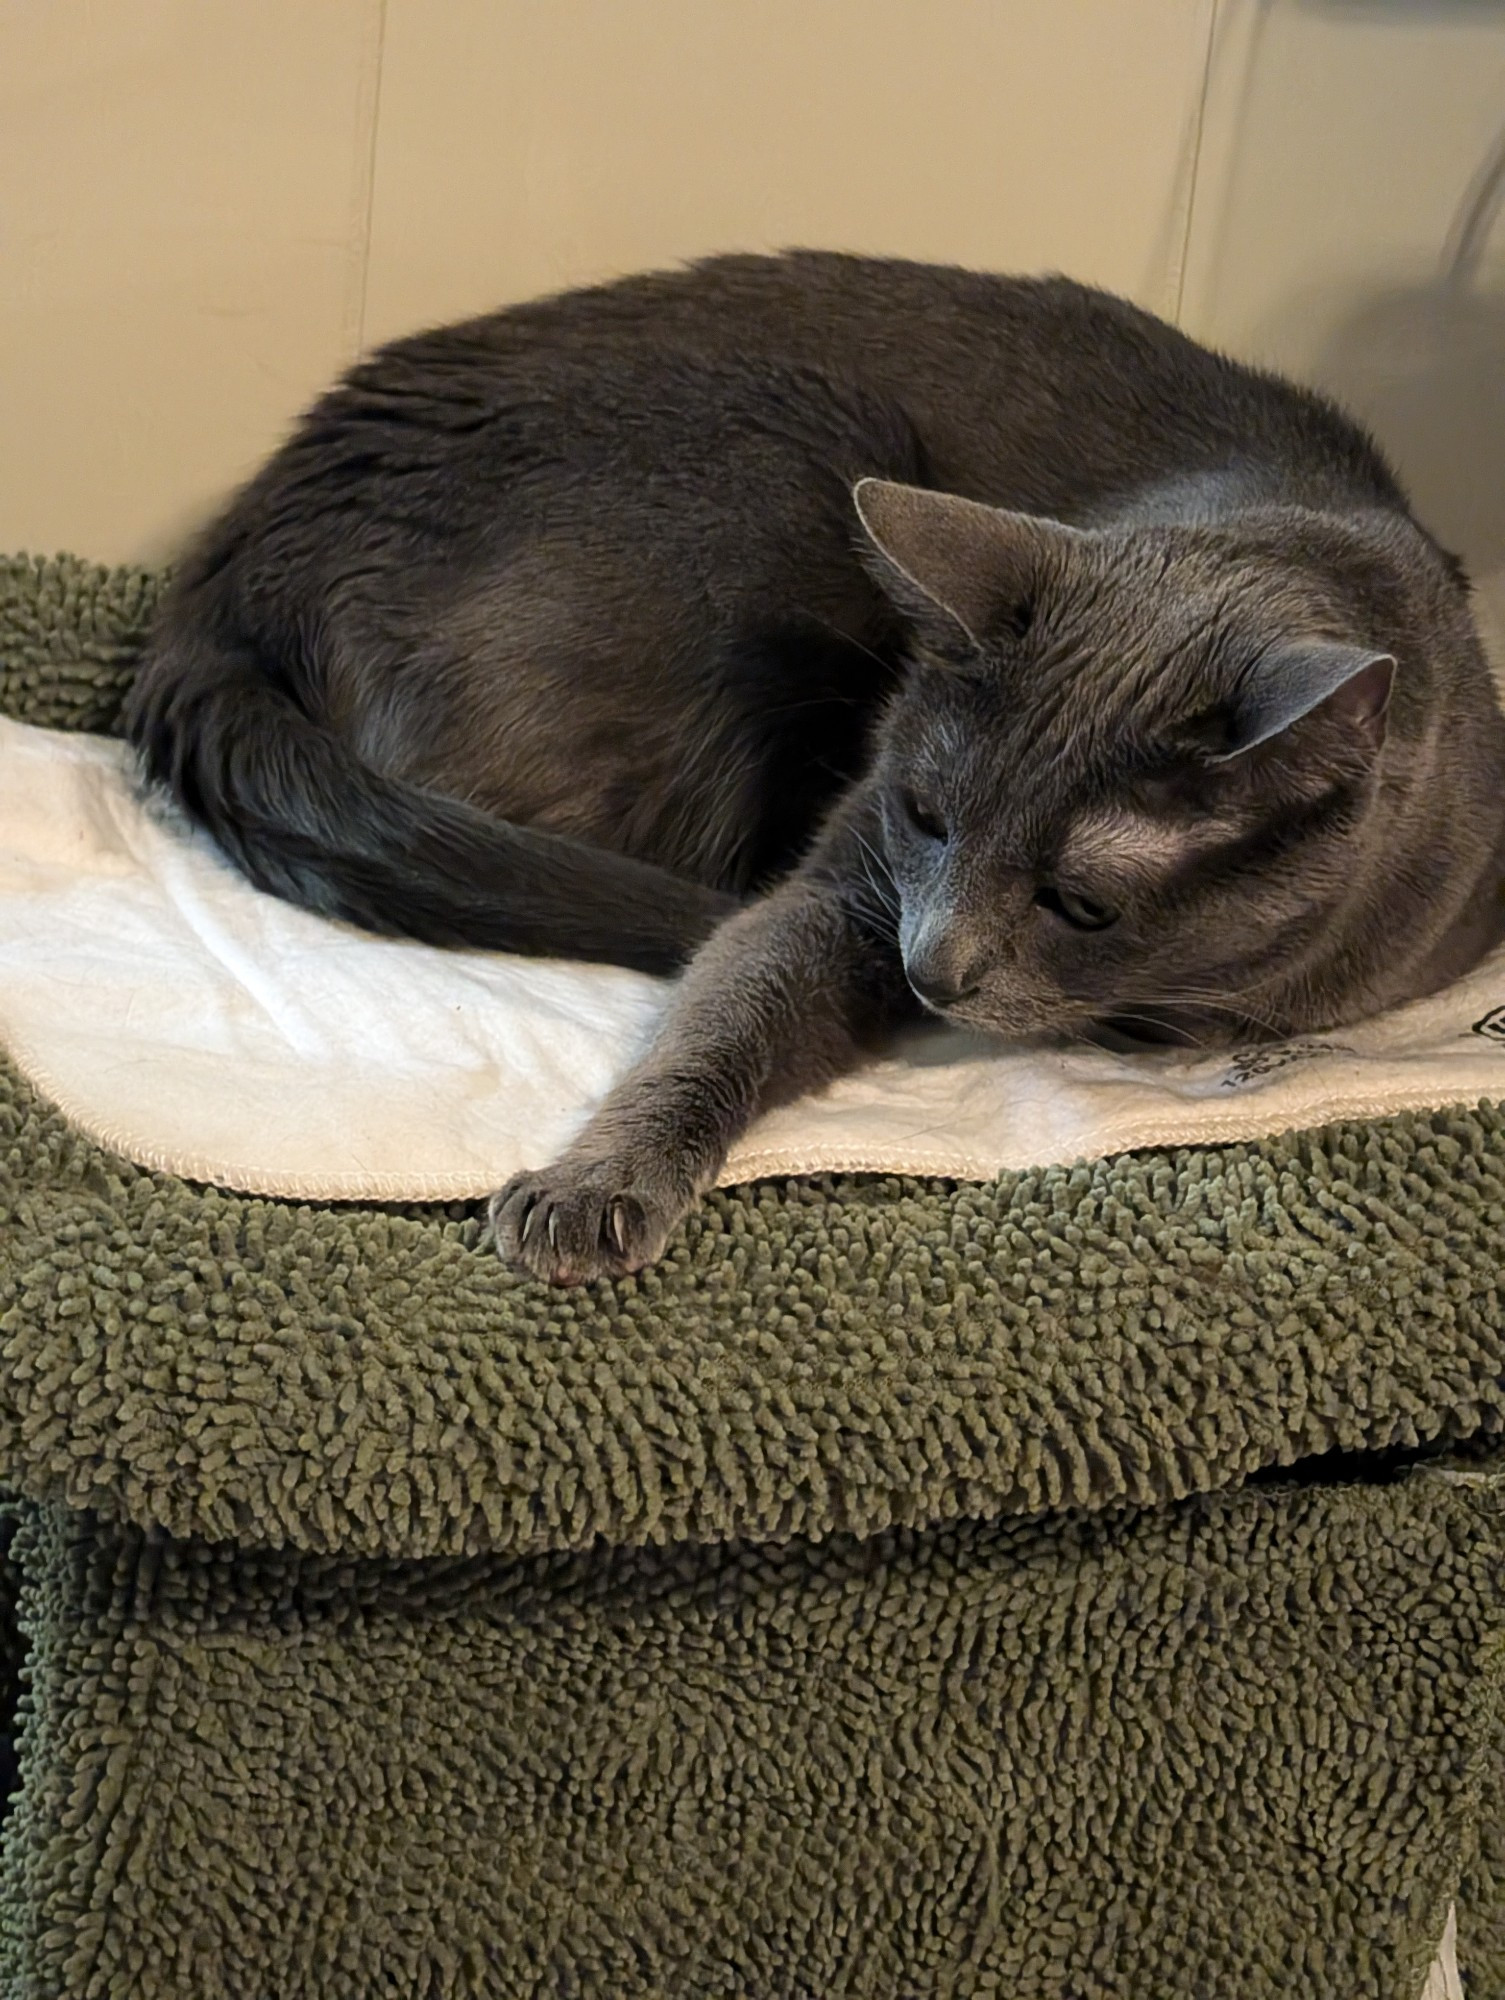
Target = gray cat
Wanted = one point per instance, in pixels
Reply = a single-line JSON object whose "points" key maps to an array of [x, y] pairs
{"points": [[999, 651]]}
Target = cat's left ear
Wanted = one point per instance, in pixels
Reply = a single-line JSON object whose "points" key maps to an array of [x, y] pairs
{"points": [[961, 572], [1349, 683]]}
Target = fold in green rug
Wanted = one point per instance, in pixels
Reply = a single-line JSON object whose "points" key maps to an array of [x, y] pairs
{"points": [[903, 1590]]}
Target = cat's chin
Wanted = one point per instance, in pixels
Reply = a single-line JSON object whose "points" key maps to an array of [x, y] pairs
{"points": [[1151, 1031], [1130, 1034]]}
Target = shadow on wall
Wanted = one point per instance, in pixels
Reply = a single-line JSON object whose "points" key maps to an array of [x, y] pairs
{"points": [[1425, 366]]}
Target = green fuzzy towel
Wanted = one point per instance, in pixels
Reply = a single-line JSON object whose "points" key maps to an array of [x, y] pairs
{"points": [[901, 1590]]}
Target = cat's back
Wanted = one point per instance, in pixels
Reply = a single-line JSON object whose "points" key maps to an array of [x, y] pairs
{"points": [[816, 306], [1038, 392]]}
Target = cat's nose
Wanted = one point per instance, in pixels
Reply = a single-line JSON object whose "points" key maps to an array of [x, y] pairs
{"points": [[943, 963], [941, 987]]}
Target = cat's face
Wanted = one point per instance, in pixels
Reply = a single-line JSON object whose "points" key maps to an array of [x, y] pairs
{"points": [[1130, 777]]}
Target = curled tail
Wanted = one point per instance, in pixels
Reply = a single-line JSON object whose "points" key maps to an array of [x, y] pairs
{"points": [[297, 810]]}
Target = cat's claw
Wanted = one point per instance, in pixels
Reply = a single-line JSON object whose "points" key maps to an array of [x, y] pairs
{"points": [[570, 1224]]}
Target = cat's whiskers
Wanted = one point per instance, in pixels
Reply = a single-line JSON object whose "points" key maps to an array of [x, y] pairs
{"points": [[817, 701], [1233, 1001], [883, 911], [1131, 1007], [846, 639], [1186, 1035]]}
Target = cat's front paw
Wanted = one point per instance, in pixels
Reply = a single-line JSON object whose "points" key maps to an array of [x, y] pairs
{"points": [[568, 1223]]}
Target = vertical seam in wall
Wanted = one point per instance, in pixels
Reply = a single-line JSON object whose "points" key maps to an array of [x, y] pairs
{"points": [[368, 115], [1214, 8]]}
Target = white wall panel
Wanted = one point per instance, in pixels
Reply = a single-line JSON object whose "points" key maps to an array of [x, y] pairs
{"points": [[1349, 226]]}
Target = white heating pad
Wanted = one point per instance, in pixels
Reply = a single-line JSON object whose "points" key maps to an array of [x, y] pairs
{"points": [[198, 1027]]}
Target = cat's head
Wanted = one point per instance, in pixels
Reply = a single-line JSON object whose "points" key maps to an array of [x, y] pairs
{"points": [[1132, 774]]}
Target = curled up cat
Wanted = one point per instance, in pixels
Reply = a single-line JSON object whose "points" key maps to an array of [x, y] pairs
{"points": [[868, 638]]}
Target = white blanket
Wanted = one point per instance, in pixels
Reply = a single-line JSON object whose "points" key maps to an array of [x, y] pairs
{"points": [[201, 1028]]}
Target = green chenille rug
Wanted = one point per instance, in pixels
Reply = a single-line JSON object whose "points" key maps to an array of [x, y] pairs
{"points": [[1087, 1586]]}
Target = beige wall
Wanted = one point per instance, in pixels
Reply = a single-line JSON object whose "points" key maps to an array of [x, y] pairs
{"points": [[183, 201], [525, 146], [207, 207]]}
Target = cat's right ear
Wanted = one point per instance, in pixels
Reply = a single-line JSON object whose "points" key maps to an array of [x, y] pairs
{"points": [[962, 573]]}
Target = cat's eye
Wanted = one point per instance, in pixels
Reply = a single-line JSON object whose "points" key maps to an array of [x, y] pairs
{"points": [[1078, 911], [922, 816]]}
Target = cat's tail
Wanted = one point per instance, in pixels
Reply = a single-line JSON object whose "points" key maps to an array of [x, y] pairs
{"points": [[293, 805]]}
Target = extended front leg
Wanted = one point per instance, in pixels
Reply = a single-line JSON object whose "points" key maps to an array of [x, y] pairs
{"points": [[785, 996]]}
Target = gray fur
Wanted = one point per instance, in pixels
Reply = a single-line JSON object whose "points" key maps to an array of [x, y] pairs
{"points": [[1008, 650]]}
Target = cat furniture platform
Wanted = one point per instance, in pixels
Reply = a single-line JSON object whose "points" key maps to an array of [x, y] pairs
{"points": [[1088, 1583]]}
